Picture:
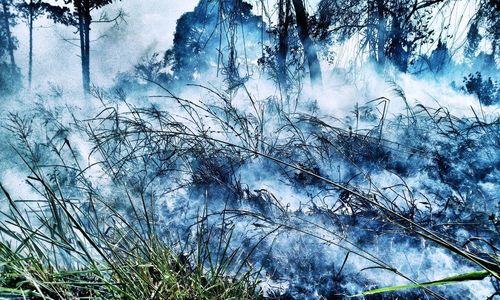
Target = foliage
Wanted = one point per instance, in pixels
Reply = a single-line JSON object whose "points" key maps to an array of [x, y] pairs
{"points": [[479, 275], [200, 40], [487, 16], [440, 58], [392, 29], [152, 271], [116, 217], [38, 8], [486, 90], [142, 193], [10, 79], [473, 40], [84, 246]]}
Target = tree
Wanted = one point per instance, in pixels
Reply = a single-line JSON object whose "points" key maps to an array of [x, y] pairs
{"points": [[224, 25], [392, 29], [82, 20], [293, 32], [213, 34], [484, 28], [473, 40], [487, 17], [309, 48], [10, 79], [7, 19], [486, 90], [30, 11], [284, 23], [440, 58]]}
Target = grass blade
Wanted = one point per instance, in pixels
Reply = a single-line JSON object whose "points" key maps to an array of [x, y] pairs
{"points": [[476, 275]]}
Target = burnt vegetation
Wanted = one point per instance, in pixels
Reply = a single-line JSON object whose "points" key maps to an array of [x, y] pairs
{"points": [[186, 180]]}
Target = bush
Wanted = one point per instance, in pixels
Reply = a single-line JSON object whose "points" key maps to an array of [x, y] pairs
{"points": [[486, 90]]}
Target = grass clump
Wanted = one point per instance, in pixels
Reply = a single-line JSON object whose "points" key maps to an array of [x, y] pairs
{"points": [[164, 275]]}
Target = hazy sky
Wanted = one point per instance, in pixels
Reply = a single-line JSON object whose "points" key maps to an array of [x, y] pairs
{"points": [[150, 25]]}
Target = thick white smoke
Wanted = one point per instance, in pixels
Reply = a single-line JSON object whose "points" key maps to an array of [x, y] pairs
{"points": [[307, 263]]}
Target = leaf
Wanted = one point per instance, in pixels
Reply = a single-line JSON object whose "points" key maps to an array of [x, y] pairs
{"points": [[477, 275], [9, 292]]}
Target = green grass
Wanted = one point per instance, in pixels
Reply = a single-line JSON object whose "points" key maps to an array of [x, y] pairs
{"points": [[471, 276], [64, 252], [164, 275]]}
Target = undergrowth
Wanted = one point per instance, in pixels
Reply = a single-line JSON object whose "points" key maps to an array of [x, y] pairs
{"points": [[141, 203]]}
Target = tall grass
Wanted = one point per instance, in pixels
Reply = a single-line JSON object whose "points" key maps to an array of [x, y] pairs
{"points": [[82, 247], [68, 256], [80, 240]]}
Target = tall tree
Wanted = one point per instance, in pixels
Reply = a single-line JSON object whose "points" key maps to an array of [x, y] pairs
{"points": [[487, 16], [284, 24], [395, 28], [30, 11], [310, 52], [216, 33], [83, 8], [473, 40], [10, 79], [6, 23], [292, 33], [380, 29], [82, 20]]}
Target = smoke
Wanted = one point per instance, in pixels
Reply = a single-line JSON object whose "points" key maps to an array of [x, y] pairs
{"points": [[148, 25], [424, 148]]}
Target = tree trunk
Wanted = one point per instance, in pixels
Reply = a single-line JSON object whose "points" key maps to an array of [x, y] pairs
{"points": [[84, 20], [371, 31], [309, 48], [87, 48], [283, 26], [396, 51], [30, 24], [494, 46], [10, 46], [232, 67], [381, 33]]}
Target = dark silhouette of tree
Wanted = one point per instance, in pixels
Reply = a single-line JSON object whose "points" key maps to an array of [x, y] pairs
{"points": [[82, 20], [222, 25], [486, 90], [7, 20], [30, 12], [293, 35], [487, 17], [9, 72], [440, 58], [392, 29], [485, 62], [214, 33], [188, 44], [307, 42], [473, 40], [284, 23]]}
